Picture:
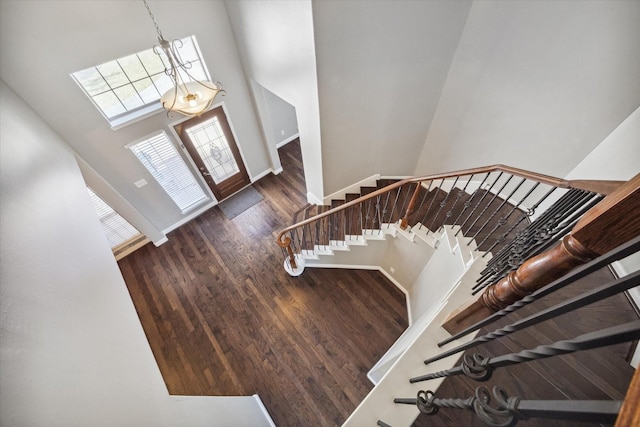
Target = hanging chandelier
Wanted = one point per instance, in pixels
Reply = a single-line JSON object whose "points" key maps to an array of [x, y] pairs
{"points": [[188, 96]]}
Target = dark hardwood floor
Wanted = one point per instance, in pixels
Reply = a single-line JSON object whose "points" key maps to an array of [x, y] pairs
{"points": [[223, 318]]}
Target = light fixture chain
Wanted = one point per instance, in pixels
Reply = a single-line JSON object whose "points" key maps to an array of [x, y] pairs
{"points": [[153, 20]]}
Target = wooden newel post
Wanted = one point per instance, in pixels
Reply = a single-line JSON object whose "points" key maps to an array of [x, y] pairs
{"points": [[286, 243], [410, 207], [612, 222]]}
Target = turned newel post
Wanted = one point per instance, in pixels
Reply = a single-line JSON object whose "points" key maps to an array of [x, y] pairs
{"points": [[566, 255], [612, 222], [285, 242]]}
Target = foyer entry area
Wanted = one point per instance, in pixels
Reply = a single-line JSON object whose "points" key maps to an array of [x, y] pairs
{"points": [[223, 318]]}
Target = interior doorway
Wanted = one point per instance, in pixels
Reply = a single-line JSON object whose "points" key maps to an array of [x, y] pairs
{"points": [[210, 142]]}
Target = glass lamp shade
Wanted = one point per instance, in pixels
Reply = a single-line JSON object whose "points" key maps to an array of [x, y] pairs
{"points": [[191, 98]]}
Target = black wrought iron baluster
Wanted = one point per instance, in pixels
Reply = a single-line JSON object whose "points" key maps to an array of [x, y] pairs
{"points": [[468, 203], [622, 251], [518, 243], [367, 216], [529, 241], [378, 215], [395, 203], [407, 198], [312, 236], [345, 216], [315, 241], [349, 221], [443, 203], [433, 198], [326, 228], [530, 212], [489, 204], [429, 404], [567, 223], [479, 202], [506, 411], [564, 202], [426, 194], [297, 237], [384, 209], [480, 368], [449, 213], [503, 220], [360, 216], [495, 212], [544, 237], [584, 299]]}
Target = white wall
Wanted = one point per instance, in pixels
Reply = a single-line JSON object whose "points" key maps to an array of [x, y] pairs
{"points": [[617, 158], [278, 119], [41, 43], [72, 350], [275, 41], [536, 85], [381, 68], [284, 122]]}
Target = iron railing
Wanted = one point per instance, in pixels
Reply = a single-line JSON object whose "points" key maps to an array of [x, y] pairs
{"points": [[510, 212], [507, 411]]}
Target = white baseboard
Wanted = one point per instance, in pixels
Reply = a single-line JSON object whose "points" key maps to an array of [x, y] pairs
{"points": [[313, 199], [288, 140], [189, 217], [373, 268], [263, 174], [161, 241]]}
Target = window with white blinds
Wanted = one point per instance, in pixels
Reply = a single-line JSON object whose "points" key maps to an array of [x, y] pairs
{"points": [[116, 228], [162, 160]]}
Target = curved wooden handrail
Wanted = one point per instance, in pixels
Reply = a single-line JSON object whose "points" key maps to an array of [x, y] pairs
{"points": [[602, 187]]}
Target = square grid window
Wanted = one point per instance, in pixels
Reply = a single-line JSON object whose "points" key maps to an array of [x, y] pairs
{"points": [[165, 164], [125, 87]]}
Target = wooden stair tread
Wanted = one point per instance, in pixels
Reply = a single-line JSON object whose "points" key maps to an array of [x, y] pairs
{"points": [[434, 208]]}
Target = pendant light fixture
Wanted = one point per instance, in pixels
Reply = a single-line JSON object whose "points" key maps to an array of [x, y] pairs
{"points": [[188, 96]]}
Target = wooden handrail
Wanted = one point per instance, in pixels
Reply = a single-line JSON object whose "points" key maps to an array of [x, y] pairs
{"points": [[602, 187], [595, 186], [630, 412]]}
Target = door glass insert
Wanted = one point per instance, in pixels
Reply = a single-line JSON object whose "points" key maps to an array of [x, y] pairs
{"points": [[211, 143]]}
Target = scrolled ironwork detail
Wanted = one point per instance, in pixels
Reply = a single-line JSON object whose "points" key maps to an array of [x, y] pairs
{"points": [[424, 402], [476, 367], [504, 414]]}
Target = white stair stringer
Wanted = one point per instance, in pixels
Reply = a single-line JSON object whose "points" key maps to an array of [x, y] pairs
{"points": [[408, 362]]}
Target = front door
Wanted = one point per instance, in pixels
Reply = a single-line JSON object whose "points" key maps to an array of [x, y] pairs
{"points": [[209, 141]]}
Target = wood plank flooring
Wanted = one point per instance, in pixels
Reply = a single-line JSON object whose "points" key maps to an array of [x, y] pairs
{"points": [[223, 318]]}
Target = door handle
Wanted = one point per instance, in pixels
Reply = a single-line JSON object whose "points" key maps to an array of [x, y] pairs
{"points": [[206, 174]]}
